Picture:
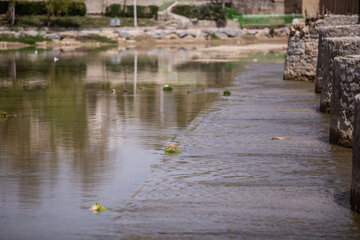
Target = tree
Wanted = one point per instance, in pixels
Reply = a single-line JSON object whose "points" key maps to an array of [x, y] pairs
{"points": [[220, 2], [11, 11]]}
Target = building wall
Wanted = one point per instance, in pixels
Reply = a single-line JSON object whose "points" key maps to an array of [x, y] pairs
{"points": [[259, 6], [339, 7], [99, 6]]}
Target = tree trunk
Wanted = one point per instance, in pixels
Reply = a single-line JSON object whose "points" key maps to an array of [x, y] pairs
{"points": [[124, 6], [11, 12]]}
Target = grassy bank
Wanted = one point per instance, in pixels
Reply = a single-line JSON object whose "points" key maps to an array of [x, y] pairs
{"points": [[32, 40], [75, 22]]}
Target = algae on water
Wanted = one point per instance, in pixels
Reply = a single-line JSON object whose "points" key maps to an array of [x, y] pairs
{"points": [[172, 149], [3, 115], [97, 208], [167, 88], [227, 93]]}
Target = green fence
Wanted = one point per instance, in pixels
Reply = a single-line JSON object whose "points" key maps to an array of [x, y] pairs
{"points": [[266, 20]]}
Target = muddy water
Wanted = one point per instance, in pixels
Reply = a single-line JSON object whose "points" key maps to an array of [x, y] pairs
{"points": [[87, 129]]}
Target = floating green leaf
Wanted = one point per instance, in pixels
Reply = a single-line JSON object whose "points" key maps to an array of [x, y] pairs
{"points": [[172, 149], [167, 88], [98, 208], [3, 115]]}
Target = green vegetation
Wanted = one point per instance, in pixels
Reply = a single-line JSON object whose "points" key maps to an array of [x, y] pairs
{"points": [[227, 93], [3, 115], [78, 22], [4, 7], [172, 151], [271, 57], [266, 20], [55, 7], [272, 31], [214, 37], [101, 39], [116, 10], [231, 13], [98, 208], [167, 88], [27, 40], [206, 12]]}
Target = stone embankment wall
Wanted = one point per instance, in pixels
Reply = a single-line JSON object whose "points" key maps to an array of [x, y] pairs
{"points": [[346, 85], [168, 32], [302, 50], [326, 32], [334, 47], [355, 183]]}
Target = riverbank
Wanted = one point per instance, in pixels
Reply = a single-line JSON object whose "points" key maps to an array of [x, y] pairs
{"points": [[164, 34]]}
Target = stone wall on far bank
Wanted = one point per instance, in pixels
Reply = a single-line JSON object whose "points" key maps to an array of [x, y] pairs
{"points": [[355, 182], [346, 85], [334, 47], [302, 50], [327, 32]]}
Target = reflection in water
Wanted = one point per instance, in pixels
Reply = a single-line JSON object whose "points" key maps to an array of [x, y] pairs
{"points": [[72, 142]]}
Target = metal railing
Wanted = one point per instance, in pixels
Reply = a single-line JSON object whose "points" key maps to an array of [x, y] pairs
{"points": [[266, 20]]}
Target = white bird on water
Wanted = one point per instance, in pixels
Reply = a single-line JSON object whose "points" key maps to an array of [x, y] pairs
{"points": [[56, 59], [36, 52]]}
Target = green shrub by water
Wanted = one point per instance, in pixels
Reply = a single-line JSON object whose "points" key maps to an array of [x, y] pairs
{"points": [[207, 12], [28, 39], [4, 7], [116, 10], [102, 39], [61, 8]]}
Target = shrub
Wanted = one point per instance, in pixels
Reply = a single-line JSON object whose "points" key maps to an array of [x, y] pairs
{"points": [[230, 13], [66, 22], [76, 9], [4, 7], [30, 8], [206, 12], [116, 10], [61, 8], [28, 39], [32, 21], [272, 31]]}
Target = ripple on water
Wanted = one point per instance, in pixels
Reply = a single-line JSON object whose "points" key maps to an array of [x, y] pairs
{"points": [[233, 180]]}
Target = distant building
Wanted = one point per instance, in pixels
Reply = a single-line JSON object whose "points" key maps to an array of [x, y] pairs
{"points": [[309, 7]]}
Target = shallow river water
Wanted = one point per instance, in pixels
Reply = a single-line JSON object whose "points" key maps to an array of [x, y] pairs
{"points": [[92, 126]]}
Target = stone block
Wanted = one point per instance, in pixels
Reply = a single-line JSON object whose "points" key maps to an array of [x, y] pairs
{"points": [[303, 40], [355, 181], [334, 47], [326, 32], [346, 85]]}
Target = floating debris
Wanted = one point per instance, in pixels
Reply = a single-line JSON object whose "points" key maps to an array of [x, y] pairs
{"points": [[172, 149], [3, 115], [113, 91], [280, 138], [167, 88], [227, 93], [97, 208]]}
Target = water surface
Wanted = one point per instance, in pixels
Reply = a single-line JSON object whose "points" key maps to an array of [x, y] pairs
{"points": [[87, 129]]}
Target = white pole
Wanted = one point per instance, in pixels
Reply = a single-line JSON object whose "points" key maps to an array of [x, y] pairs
{"points": [[135, 71], [135, 14]]}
